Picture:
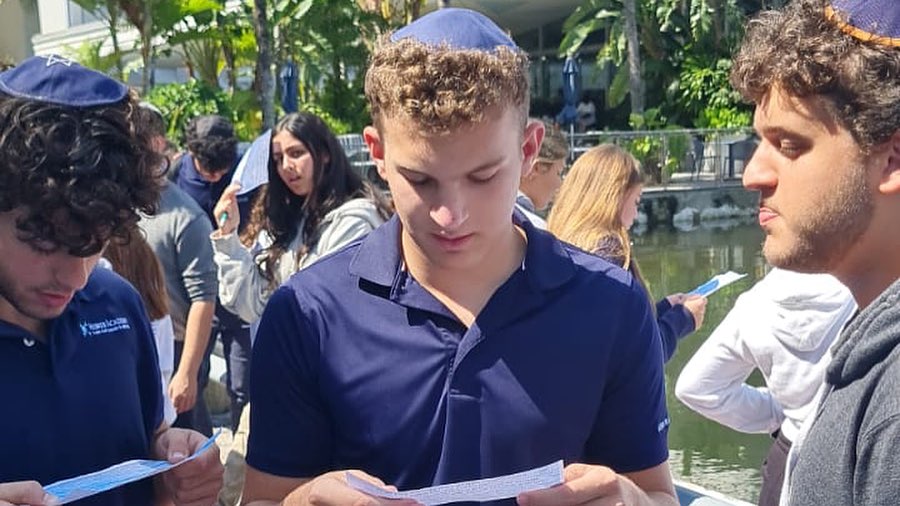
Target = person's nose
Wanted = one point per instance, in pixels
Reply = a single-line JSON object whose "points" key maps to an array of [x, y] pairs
{"points": [[451, 211], [760, 172], [71, 272]]}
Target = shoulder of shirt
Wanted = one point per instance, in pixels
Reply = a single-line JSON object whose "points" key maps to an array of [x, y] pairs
{"points": [[106, 283], [599, 271], [174, 199], [361, 208]]}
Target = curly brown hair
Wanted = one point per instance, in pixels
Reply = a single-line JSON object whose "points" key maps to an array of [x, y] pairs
{"points": [[801, 52], [441, 88], [77, 174]]}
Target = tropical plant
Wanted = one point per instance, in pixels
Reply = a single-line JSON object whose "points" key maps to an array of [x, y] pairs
{"points": [[704, 91], [90, 54], [669, 34], [151, 18], [182, 101], [329, 42]]}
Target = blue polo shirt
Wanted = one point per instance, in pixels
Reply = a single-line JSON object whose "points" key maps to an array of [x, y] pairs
{"points": [[88, 398], [366, 369]]}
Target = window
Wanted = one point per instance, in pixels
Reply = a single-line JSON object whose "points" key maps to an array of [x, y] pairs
{"points": [[80, 16]]}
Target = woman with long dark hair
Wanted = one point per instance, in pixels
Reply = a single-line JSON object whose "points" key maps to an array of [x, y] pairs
{"points": [[314, 203]]}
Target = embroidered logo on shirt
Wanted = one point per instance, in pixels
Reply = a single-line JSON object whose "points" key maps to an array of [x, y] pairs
{"points": [[91, 329], [662, 425]]}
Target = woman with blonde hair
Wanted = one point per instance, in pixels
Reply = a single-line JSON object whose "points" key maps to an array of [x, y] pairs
{"points": [[597, 204]]}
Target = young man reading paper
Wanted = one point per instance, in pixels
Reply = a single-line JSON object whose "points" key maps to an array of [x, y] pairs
{"points": [[79, 376], [457, 341]]}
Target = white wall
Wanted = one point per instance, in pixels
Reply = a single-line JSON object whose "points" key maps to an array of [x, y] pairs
{"points": [[18, 22]]}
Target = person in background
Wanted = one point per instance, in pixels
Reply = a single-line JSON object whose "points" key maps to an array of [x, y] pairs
{"points": [[80, 377], [538, 187], [314, 204], [824, 77], [587, 113], [135, 261], [178, 235], [597, 204], [203, 172], [456, 341], [784, 327]]}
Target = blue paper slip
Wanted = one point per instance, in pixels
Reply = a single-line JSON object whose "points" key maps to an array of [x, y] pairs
{"points": [[487, 489], [716, 282], [112, 477]]}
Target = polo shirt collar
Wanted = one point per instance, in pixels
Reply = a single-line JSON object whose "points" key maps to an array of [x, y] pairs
{"points": [[547, 263]]}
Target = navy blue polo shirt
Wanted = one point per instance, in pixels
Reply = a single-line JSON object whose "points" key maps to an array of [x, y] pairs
{"points": [[365, 369], [88, 398]]}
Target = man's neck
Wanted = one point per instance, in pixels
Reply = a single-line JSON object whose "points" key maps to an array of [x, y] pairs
{"points": [[9, 314], [872, 266], [465, 291]]}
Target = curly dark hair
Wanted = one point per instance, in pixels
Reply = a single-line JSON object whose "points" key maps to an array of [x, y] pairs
{"points": [[216, 153], [278, 211], [800, 51], [79, 176]]}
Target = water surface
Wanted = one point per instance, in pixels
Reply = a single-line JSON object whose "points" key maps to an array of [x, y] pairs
{"points": [[703, 451]]}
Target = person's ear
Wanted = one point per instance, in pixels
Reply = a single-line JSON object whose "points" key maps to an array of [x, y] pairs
{"points": [[889, 179], [531, 145], [374, 142]]}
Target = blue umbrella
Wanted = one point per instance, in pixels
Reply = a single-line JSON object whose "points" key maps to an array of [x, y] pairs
{"points": [[289, 87], [571, 87]]}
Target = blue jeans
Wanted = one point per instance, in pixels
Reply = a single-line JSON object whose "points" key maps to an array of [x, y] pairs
{"points": [[235, 336]]}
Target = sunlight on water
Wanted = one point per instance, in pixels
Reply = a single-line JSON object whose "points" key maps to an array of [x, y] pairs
{"points": [[704, 452]]}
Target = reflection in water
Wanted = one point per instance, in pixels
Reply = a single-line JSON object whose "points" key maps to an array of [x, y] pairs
{"points": [[703, 451]]}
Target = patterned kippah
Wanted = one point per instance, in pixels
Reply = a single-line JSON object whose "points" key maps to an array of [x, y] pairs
{"points": [[58, 80], [876, 21], [458, 29]]}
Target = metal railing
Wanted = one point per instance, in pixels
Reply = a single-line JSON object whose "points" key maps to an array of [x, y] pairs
{"points": [[667, 156], [678, 155]]}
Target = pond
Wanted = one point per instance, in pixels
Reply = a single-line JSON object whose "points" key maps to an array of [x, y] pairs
{"points": [[702, 451]]}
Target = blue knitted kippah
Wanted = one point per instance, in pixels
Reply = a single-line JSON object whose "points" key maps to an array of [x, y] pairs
{"points": [[458, 29], [58, 80], [876, 21]]}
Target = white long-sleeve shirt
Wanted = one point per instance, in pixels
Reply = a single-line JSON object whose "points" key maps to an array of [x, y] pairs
{"points": [[783, 326]]}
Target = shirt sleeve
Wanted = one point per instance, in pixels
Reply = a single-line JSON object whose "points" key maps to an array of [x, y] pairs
{"points": [[631, 431], [243, 289], [675, 322], [194, 257], [713, 383], [291, 434]]}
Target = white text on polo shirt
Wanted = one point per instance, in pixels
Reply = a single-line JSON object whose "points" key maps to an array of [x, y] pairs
{"points": [[91, 329]]}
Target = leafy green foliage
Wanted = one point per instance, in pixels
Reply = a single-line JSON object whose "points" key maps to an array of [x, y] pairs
{"points": [[704, 91], [181, 102], [90, 54], [686, 47]]}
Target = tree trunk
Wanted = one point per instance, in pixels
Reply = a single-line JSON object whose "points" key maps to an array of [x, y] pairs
{"points": [[635, 79], [264, 78], [443, 4], [146, 46], [112, 10]]}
